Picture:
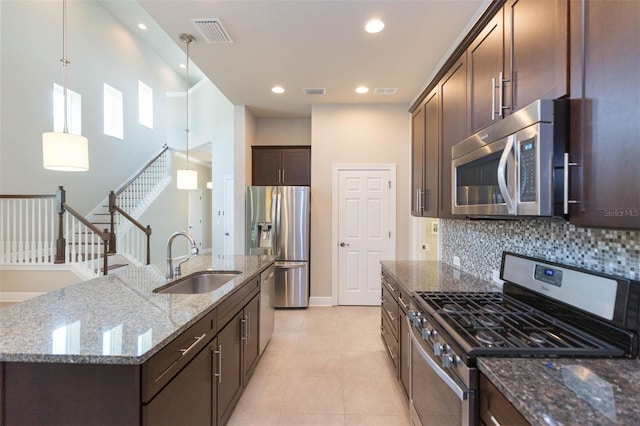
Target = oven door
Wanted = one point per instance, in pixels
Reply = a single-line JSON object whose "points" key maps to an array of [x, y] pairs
{"points": [[436, 398]]}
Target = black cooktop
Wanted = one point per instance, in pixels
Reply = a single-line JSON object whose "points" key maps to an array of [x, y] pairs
{"points": [[496, 324]]}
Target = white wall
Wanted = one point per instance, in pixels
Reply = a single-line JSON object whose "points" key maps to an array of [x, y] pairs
{"points": [[245, 136], [100, 51], [283, 131], [424, 238], [362, 133]]}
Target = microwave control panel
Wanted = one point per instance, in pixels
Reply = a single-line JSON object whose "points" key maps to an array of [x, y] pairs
{"points": [[528, 170]]}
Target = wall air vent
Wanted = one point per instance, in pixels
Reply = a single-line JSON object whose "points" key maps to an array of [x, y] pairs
{"points": [[315, 91], [212, 30], [385, 90]]}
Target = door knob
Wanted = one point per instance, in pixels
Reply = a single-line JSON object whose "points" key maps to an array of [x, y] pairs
{"points": [[343, 244]]}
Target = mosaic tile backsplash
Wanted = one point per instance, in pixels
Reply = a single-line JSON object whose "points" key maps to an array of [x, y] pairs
{"points": [[479, 245]]}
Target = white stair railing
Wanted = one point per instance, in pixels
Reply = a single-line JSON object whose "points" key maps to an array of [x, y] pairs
{"points": [[27, 229]]}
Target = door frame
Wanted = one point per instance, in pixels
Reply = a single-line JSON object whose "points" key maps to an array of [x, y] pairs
{"points": [[335, 200]]}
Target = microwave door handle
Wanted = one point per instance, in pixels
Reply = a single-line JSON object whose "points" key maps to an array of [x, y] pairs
{"points": [[502, 182]]}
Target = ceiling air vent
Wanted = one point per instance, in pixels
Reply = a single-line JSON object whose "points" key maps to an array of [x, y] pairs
{"points": [[212, 30], [385, 90], [315, 91]]}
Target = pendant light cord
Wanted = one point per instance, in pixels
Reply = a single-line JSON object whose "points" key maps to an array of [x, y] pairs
{"points": [[187, 129], [65, 62]]}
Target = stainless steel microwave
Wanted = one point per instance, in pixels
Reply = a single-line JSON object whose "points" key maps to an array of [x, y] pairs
{"points": [[515, 167]]}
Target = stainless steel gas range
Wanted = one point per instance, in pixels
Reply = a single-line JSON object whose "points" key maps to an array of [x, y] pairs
{"points": [[545, 310]]}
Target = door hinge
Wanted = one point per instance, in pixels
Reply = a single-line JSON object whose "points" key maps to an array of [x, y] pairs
{"points": [[389, 184], [389, 234]]}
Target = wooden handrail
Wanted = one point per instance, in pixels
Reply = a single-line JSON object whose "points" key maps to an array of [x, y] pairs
{"points": [[85, 222], [141, 170], [10, 196]]}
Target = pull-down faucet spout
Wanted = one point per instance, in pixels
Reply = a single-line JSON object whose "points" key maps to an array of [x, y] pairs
{"points": [[170, 271]]}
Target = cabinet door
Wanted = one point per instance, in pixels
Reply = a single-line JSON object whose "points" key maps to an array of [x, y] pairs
{"points": [[265, 166], [296, 166], [417, 160], [230, 382], [432, 156], [486, 62], [187, 399], [453, 114], [537, 41], [605, 106], [251, 337]]}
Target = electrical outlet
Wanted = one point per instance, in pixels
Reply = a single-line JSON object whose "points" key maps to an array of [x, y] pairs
{"points": [[434, 227], [426, 247], [456, 261]]}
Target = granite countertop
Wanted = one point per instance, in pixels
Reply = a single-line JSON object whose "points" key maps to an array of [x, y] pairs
{"points": [[416, 275], [563, 391], [115, 319]]}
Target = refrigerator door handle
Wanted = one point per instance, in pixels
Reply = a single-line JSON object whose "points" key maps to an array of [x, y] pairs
{"points": [[290, 265], [276, 205]]}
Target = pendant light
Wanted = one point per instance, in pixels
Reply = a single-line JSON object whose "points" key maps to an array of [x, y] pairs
{"points": [[64, 151], [187, 179]]}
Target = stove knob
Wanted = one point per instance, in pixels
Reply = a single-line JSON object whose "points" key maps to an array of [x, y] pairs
{"points": [[411, 315], [417, 319], [426, 333], [437, 348], [447, 361]]}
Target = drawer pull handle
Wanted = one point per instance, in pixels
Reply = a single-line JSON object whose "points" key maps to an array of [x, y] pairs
{"points": [[193, 345], [495, 421]]}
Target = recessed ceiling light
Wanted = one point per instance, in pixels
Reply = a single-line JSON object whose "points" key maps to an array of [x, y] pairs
{"points": [[362, 89], [142, 26], [374, 26], [183, 66], [277, 89]]}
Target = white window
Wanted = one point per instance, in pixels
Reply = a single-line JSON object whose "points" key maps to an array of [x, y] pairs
{"points": [[113, 112], [74, 110], [145, 105]]}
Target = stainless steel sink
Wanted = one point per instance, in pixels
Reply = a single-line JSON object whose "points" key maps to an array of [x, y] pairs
{"points": [[200, 282]]}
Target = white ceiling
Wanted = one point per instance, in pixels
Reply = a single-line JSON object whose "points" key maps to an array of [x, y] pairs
{"points": [[308, 44]]}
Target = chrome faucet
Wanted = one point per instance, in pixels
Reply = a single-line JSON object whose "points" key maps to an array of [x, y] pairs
{"points": [[175, 272]]}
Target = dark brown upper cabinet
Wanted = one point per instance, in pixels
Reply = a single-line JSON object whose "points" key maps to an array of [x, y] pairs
{"points": [[485, 74], [536, 51], [453, 114], [520, 56], [280, 165], [425, 157], [605, 114]]}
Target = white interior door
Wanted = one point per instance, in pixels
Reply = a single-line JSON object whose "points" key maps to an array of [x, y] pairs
{"points": [[195, 216], [364, 234]]}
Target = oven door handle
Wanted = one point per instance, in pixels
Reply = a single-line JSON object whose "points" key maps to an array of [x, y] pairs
{"points": [[502, 181], [460, 393]]}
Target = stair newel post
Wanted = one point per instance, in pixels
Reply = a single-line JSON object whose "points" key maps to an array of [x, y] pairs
{"points": [[112, 214], [148, 233], [60, 241], [105, 259]]}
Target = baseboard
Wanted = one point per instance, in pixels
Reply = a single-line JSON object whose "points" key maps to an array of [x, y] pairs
{"points": [[320, 301]]}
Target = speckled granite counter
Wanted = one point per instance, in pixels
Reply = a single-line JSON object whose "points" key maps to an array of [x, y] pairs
{"points": [[569, 391], [115, 319], [434, 276]]}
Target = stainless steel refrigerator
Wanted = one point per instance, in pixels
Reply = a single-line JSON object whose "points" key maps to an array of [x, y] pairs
{"points": [[278, 224]]}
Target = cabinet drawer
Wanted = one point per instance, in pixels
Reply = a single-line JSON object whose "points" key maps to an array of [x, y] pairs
{"points": [[164, 365], [495, 408], [390, 341], [234, 303], [390, 310]]}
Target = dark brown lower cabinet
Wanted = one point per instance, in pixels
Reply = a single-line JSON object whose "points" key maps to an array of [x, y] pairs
{"points": [[494, 408], [251, 348], [189, 398], [230, 380]]}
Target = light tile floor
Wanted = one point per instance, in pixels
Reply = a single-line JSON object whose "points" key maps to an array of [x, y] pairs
{"points": [[324, 366]]}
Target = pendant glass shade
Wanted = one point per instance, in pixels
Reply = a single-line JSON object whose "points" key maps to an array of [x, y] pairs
{"points": [[187, 179], [65, 152]]}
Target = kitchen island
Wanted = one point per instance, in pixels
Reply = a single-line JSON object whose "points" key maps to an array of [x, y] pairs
{"points": [[102, 351]]}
